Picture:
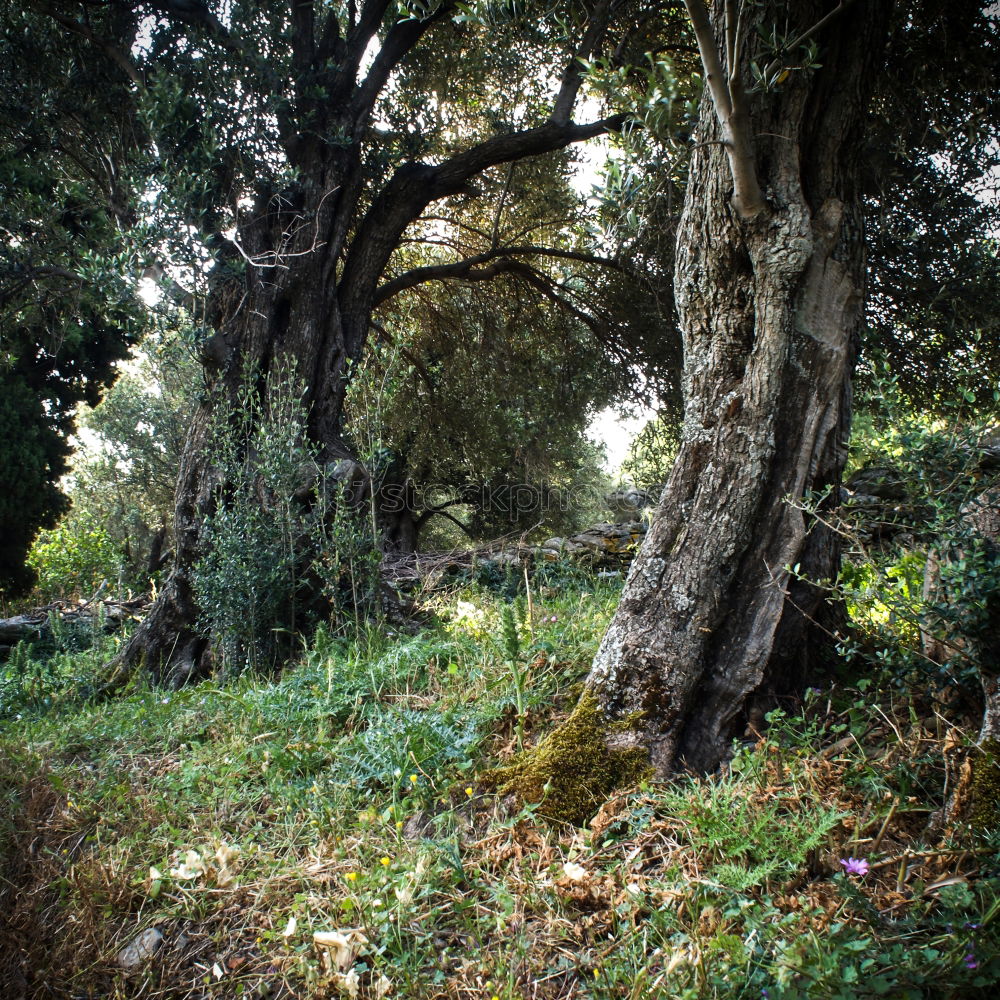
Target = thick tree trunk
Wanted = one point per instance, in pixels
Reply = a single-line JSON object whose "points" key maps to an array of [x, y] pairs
{"points": [[286, 317], [769, 308]]}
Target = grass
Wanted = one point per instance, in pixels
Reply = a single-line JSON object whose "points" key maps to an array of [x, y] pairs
{"points": [[325, 835]]}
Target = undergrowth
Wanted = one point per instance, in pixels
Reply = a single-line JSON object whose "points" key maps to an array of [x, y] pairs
{"points": [[327, 834]]}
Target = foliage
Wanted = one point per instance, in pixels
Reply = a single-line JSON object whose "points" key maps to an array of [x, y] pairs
{"points": [[484, 401], [59, 674], [75, 558], [931, 185], [651, 453], [126, 472], [278, 520], [744, 842], [68, 311], [920, 583]]}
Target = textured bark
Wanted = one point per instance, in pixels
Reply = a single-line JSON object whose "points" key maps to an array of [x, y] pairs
{"points": [[769, 304]]}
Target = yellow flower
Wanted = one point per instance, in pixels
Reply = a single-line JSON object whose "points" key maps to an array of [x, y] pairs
{"points": [[386, 862], [597, 973], [399, 824], [413, 778], [468, 792], [352, 876]]}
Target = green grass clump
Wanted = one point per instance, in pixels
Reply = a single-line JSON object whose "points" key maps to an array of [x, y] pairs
{"points": [[746, 838]]}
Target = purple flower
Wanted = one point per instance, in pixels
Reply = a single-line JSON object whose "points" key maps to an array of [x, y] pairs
{"points": [[855, 866], [970, 961]]}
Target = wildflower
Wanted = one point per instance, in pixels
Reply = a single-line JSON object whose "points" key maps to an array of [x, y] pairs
{"points": [[468, 792], [574, 872], [553, 619], [970, 961], [855, 866], [385, 862], [352, 876], [399, 824], [413, 779]]}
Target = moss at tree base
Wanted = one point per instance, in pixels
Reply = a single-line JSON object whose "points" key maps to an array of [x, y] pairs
{"points": [[573, 770]]}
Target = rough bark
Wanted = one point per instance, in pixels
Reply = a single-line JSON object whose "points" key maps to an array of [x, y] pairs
{"points": [[769, 301], [315, 255]]}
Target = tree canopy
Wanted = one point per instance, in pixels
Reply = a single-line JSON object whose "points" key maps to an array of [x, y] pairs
{"points": [[67, 306]]}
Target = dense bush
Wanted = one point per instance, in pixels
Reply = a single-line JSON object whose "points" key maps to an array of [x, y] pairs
{"points": [[283, 522], [920, 582], [75, 558]]}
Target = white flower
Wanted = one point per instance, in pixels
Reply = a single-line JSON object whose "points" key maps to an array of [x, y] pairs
{"points": [[349, 982], [574, 872], [345, 945], [191, 867]]}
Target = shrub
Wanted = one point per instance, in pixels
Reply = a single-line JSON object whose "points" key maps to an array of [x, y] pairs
{"points": [[921, 586], [279, 523], [74, 559]]}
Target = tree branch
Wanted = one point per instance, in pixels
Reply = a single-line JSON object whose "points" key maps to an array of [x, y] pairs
{"points": [[467, 269], [415, 185], [731, 109], [439, 512], [399, 40], [115, 54], [195, 12], [775, 64], [174, 290], [573, 74], [303, 33], [451, 176]]}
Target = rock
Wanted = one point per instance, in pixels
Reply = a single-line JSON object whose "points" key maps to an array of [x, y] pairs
{"points": [[877, 481], [20, 627], [629, 504], [602, 545], [141, 947]]}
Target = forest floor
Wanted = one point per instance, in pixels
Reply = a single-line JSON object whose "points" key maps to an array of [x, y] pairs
{"points": [[328, 833]]}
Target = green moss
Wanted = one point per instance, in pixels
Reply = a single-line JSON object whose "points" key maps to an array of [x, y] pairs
{"points": [[984, 812], [573, 770]]}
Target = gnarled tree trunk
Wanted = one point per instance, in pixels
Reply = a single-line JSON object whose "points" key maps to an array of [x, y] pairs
{"points": [[315, 255], [769, 289]]}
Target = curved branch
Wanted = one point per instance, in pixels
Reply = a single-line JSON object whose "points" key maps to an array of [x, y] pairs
{"points": [[730, 102], [467, 268], [438, 512], [415, 185], [399, 40]]}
